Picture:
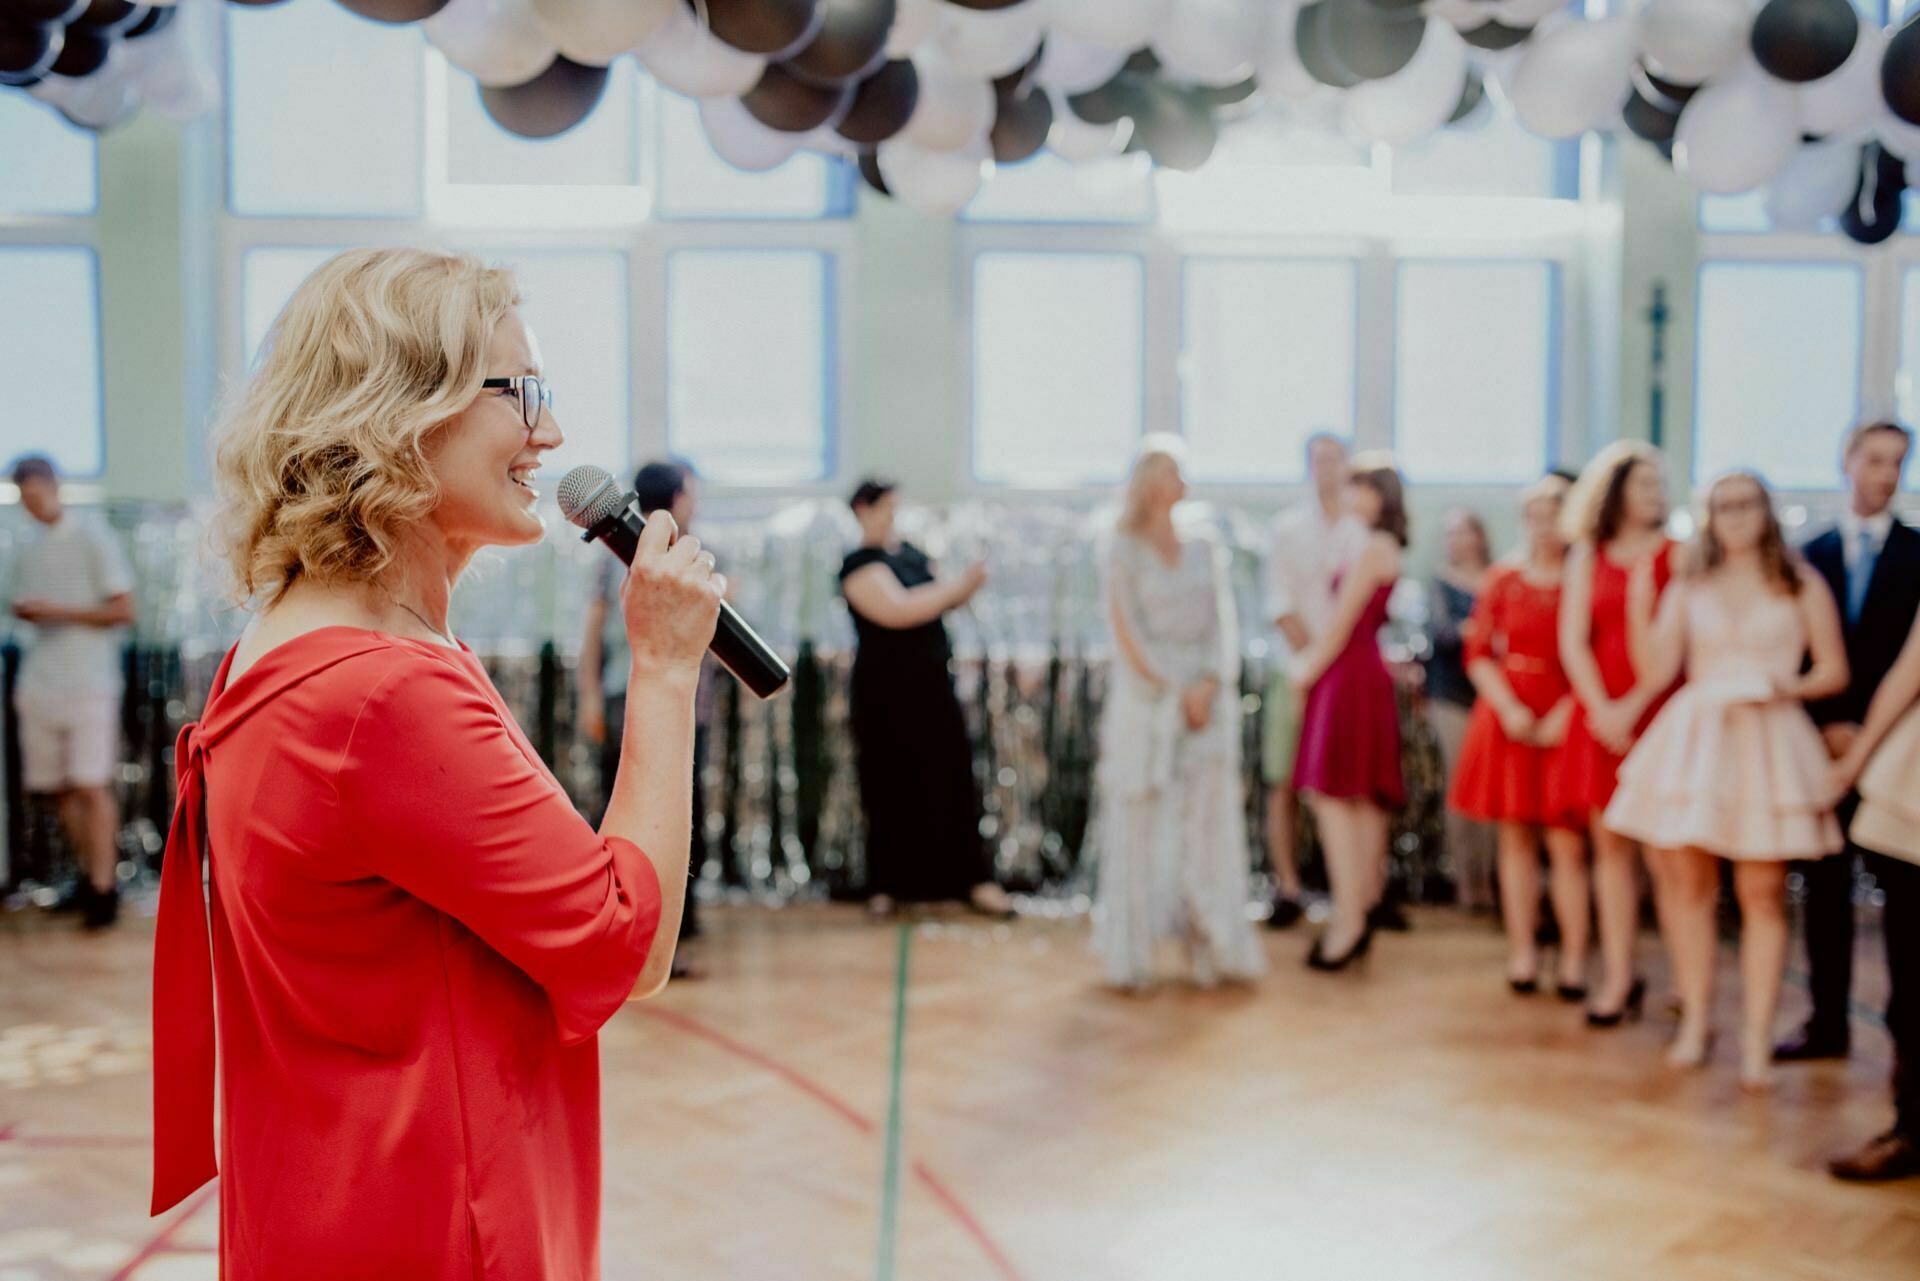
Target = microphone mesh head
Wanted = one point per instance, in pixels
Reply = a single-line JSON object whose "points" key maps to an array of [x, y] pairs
{"points": [[588, 496]]}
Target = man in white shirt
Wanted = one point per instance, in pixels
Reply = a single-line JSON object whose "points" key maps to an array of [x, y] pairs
{"points": [[1312, 540], [74, 587]]}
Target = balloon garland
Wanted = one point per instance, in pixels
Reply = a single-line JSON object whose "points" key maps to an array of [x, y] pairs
{"points": [[1800, 98]]}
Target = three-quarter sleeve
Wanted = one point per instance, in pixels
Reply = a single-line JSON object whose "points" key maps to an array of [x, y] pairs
{"points": [[435, 794], [1478, 633]]}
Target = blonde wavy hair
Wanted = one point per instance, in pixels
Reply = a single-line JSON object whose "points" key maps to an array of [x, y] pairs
{"points": [[1597, 502], [320, 461], [1155, 448]]}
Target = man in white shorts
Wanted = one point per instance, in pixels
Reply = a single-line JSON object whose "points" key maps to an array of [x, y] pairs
{"points": [[74, 587]]}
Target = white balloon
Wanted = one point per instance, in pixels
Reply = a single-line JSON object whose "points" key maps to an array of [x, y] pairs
{"points": [[1072, 65], [688, 59], [174, 71], [1463, 14], [104, 100], [1815, 185], [1072, 138], [1278, 62], [1117, 24], [598, 31], [1210, 42], [914, 22], [1850, 98], [497, 42], [1574, 76], [989, 43], [1417, 99], [1520, 13], [934, 182], [740, 140], [954, 109], [1691, 41], [1737, 133]]}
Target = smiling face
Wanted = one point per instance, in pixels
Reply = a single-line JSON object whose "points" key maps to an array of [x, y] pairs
{"points": [[1644, 499], [1737, 513], [484, 458]]}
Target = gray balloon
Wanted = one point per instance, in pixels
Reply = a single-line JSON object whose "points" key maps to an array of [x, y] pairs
{"points": [[549, 104]]}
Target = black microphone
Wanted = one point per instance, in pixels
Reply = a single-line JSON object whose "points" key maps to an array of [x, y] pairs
{"points": [[590, 499]]}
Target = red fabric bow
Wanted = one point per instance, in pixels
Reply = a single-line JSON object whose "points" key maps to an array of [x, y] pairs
{"points": [[183, 1030]]}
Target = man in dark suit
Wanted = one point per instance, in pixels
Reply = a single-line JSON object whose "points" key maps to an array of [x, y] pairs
{"points": [[1871, 561]]}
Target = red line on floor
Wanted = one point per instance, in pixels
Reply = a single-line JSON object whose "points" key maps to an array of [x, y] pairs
{"points": [[833, 1102], [160, 1243]]}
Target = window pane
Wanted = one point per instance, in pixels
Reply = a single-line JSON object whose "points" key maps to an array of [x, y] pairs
{"points": [[53, 347], [600, 151], [1498, 158], [575, 304], [267, 280], [1907, 385], [324, 111], [1268, 360], [1778, 373], [750, 364], [1477, 354], [48, 164], [1057, 367], [695, 183], [1049, 189]]}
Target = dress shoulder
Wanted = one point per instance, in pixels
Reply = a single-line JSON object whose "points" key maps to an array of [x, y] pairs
{"points": [[859, 558]]}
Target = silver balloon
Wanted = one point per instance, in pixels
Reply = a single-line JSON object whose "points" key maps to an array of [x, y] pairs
{"points": [[1574, 75], [954, 109], [497, 42], [1278, 60], [1117, 24], [914, 23], [1691, 41], [933, 182], [1815, 184], [1073, 65], [688, 59], [1737, 133], [989, 43], [598, 31], [1417, 99], [742, 141], [1210, 42]]}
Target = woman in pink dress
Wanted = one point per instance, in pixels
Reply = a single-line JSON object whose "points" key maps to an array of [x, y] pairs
{"points": [[1348, 766], [1732, 767]]}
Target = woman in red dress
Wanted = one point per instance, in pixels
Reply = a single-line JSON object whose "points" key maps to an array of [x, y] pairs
{"points": [[413, 937], [1510, 770], [1615, 520]]}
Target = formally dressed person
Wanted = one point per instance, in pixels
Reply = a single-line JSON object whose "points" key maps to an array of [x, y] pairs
{"points": [[413, 936], [1884, 759], [664, 485], [1615, 521], [1871, 562], [73, 586], [1311, 540], [1732, 767], [1511, 771], [1348, 765], [914, 756], [1170, 837], [1450, 693]]}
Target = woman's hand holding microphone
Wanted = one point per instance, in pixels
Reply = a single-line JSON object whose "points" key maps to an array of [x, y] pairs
{"points": [[671, 602]]}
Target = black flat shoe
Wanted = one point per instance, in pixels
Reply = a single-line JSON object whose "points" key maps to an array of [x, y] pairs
{"points": [[1287, 913], [1317, 959], [1571, 993], [1811, 1047], [1636, 1000], [1524, 987]]}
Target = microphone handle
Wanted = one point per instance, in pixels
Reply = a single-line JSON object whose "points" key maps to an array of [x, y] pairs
{"points": [[735, 644]]}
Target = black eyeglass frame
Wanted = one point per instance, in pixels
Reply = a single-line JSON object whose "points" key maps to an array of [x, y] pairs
{"points": [[533, 392]]}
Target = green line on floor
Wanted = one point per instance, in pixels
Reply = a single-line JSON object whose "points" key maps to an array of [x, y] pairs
{"points": [[890, 1180]]}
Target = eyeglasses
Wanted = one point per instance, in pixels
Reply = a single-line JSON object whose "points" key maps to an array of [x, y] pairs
{"points": [[534, 395]]}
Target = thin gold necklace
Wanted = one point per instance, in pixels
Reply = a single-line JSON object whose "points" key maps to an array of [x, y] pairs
{"points": [[451, 642]]}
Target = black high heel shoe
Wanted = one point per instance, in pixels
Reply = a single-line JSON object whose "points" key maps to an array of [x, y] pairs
{"points": [[1636, 999], [1572, 993], [1523, 987], [1317, 958]]}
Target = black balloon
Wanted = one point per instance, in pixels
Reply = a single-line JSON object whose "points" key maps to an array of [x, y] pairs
{"points": [[1802, 40], [158, 18], [1495, 36], [549, 104], [1900, 72], [882, 104], [1647, 119], [785, 102], [776, 28], [1176, 131], [395, 11], [1118, 98], [1473, 95], [110, 17], [1873, 215], [28, 50], [870, 170], [1372, 44], [1317, 55], [83, 53], [1142, 62], [1020, 127], [36, 11], [1672, 90], [852, 42]]}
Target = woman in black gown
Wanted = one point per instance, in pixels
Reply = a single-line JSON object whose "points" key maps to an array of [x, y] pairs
{"points": [[910, 735]]}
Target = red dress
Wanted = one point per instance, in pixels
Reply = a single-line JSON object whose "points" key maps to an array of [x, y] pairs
{"points": [[1350, 727], [1516, 624], [1591, 768], [414, 939]]}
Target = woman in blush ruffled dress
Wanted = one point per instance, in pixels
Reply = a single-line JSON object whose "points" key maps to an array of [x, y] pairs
{"points": [[1511, 770], [1732, 767]]}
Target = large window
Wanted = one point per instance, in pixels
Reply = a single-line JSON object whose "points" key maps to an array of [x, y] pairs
{"points": [[50, 332], [47, 166], [1058, 367], [749, 363], [1778, 373], [1267, 359], [1476, 360]]}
